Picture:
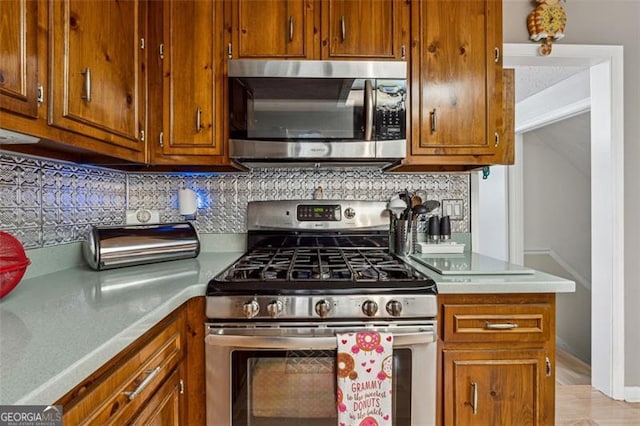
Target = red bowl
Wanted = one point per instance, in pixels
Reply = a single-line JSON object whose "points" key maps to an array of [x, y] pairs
{"points": [[13, 263]]}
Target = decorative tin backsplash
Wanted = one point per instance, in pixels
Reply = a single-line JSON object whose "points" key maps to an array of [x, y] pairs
{"points": [[45, 203]]}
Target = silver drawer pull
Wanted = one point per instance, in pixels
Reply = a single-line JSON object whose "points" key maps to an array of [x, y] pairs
{"points": [[134, 394], [87, 84], [506, 326], [474, 397]]}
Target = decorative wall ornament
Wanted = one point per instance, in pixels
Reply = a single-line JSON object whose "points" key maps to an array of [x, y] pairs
{"points": [[546, 23]]}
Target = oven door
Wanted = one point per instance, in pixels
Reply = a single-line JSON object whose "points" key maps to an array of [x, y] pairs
{"points": [[286, 375]]}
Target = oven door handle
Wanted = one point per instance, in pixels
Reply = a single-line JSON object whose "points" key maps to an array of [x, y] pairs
{"points": [[242, 340]]}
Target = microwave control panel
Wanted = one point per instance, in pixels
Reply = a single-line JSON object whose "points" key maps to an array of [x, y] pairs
{"points": [[390, 120]]}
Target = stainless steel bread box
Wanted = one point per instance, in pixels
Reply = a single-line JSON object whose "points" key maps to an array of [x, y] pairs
{"points": [[110, 247]]}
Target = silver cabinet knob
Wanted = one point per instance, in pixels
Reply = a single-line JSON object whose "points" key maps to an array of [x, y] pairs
{"points": [[349, 213], [251, 309], [394, 308], [274, 308], [322, 308], [370, 308]]}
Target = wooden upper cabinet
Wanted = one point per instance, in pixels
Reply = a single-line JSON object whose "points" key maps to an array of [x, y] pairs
{"points": [[456, 80], [365, 29], [18, 57], [97, 71], [273, 29], [193, 81]]}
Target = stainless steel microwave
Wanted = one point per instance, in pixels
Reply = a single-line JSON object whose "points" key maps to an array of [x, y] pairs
{"points": [[297, 113]]}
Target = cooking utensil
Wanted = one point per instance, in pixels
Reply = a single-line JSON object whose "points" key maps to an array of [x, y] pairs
{"points": [[431, 205], [397, 206], [418, 210], [415, 201]]}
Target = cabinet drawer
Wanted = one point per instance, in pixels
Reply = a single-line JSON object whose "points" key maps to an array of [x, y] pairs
{"points": [[496, 322], [122, 391]]}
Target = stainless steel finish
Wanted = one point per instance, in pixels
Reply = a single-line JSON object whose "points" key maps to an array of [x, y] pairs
{"points": [[474, 397], [403, 51], [434, 121], [222, 341], [349, 213], [143, 384], [198, 120], [181, 387], [161, 51], [312, 307], [281, 215], [368, 110], [142, 43], [291, 338], [506, 326], [496, 54], [343, 29], [274, 308], [348, 151], [87, 84], [317, 69], [394, 308], [497, 138], [323, 308], [370, 308], [290, 28], [229, 50], [250, 309], [161, 139], [11, 137], [109, 247]]}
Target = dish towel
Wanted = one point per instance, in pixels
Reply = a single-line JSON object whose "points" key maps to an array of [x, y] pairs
{"points": [[364, 374]]}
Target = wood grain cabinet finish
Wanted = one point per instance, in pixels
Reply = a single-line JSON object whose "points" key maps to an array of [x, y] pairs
{"points": [[189, 52], [497, 359], [165, 367], [365, 29], [19, 57], [282, 29], [97, 70], [456, 83]]}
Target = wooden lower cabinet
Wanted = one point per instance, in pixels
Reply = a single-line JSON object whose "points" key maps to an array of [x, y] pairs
{"points": [[147, 384], [497, 359]]}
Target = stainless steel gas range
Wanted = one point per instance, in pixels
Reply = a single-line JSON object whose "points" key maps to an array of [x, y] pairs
{"points": [[313, 269]]}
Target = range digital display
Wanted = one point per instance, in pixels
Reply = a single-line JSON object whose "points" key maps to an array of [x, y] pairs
{"points": [[319, 213]]}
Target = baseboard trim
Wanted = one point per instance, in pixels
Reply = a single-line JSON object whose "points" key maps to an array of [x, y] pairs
{"points": [[632, 393]]}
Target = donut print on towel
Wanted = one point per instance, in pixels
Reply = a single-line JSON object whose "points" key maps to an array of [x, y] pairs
{"points": [[364, 374]]}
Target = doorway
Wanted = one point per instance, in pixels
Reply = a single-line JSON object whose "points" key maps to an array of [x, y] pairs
{"points": [[607, 236]]}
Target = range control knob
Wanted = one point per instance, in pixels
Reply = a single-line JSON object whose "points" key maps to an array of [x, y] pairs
{"points": [[274, 308], [251, 309], [322, 308], [370, 308], [394, 308], [349, 213]]}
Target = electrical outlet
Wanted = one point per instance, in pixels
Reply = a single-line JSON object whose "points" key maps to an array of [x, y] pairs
{"points": [[142, 217], [453, 208]]}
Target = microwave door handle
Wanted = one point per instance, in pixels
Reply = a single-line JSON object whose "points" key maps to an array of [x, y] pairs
{"points": [[368, 110], [311, 342]]}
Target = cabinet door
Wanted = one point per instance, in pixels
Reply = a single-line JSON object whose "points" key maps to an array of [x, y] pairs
{"points": [[18, 57], [166, 406], [496, 387], [457, 78], [97, 70], [273, 29], [193, 83], [365, 29]]}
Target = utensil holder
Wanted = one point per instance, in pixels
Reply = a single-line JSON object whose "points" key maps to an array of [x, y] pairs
{"points": [[403, 236]]}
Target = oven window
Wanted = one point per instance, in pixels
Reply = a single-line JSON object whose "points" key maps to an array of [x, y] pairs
{"points": [[299, 388]]}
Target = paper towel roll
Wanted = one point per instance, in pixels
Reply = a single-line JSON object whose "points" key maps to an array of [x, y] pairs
{"points": [[187, 202]]}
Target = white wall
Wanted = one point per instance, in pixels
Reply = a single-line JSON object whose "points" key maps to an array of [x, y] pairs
{"points": [[492, 215], [615, 22], [557, 220]]}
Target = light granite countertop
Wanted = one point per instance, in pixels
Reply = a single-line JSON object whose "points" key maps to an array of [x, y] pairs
{"points": [[57, 328]]}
